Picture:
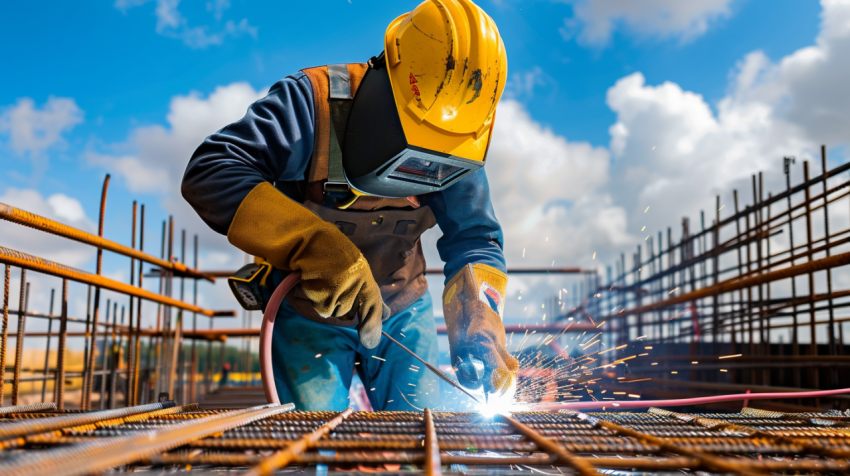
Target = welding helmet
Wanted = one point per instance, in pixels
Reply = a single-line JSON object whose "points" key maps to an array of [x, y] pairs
{"points": [[423, 114]]}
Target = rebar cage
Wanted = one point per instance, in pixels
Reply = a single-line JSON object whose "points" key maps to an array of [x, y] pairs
{"points": [[269, 438]]}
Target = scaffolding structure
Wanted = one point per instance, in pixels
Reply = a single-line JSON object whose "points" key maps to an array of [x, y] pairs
{"points": [[751, 302]]}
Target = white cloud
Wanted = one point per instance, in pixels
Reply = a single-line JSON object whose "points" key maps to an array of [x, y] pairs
{"points": [[593, 21], [59, 207], [33, 131], [158, 155], [170, 22]]}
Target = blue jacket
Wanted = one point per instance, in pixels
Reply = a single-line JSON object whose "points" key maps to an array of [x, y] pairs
{"points": [[274, 142]]}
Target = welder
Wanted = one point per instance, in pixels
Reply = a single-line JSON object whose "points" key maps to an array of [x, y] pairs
{"points": [[336, 173]]}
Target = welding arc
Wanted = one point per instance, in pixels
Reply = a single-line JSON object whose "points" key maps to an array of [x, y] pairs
{"points": [[432, 368]]}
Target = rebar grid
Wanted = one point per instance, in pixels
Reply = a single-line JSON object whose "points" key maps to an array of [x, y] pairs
{"points": [[751, 442]]}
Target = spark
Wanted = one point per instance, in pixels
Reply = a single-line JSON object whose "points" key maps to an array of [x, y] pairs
{"points": [[402, 334], [318, 355], [523, 252], [594, 255], [378, 358], [653, 147], [721, 208], [730, 356], [647, 209], [644, 228], [694, 362], [723, 370]]}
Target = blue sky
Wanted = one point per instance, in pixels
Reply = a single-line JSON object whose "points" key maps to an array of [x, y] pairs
{"points": [[114, 69]]}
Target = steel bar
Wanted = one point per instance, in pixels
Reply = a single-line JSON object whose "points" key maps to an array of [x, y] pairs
{"points": [[47, 346], [23, 428], [60, 357], [99, 455], [40, 265], [806, 444], [4, 339], [19, 342], [705, 459], [549, 446], [739, 284], [282, 458], [33, 407], [47, 225], [432, 448]]}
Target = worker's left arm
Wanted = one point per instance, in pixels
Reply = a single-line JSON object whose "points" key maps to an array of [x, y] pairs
{"points": [[476, 281]]}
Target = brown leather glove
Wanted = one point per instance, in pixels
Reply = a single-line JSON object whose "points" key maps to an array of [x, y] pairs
{"points": [[473, 302], [334, 274]]}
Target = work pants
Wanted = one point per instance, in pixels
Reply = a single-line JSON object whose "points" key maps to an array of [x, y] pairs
{"points": [[314, 362]]}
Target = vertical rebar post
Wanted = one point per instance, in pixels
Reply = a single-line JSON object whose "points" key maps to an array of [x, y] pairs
{"points": [[60, 357], [19, 341], [432, 446], [131, 355], [5, 331], [90, 376], [814, 378], [194, 364], [138, 340], [104, 365], [47, 348], [831, 331], [795, 341]]}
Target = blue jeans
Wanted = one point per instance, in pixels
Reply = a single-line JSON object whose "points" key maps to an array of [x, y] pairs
{"points": [[314, 362]]}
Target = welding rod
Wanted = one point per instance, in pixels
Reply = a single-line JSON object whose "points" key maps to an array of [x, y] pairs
{"points": [[434, 369]]}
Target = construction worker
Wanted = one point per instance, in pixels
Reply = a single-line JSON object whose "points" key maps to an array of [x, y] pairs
{"points": [[336, 173]]}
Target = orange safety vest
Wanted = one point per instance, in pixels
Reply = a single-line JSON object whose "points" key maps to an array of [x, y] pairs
{"points": [[386, 230]]}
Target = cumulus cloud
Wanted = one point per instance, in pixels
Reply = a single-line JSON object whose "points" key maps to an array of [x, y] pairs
{"points": [[59, 207], [158, 156], [672, 152], [170, 22], [32, 131], [594, 22]]}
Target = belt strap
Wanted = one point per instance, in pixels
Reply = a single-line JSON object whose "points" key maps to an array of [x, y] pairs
{"points": [[339, 101]]}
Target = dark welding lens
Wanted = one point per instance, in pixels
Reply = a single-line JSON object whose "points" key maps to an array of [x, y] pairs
{"points": [[422, 169]]}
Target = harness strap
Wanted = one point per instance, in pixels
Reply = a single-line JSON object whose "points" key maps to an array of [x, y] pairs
{"points": [[340, 102]]}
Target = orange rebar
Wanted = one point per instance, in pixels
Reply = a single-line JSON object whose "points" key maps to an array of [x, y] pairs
{"points": [[23, 260], [47, 225], [737, 283]]}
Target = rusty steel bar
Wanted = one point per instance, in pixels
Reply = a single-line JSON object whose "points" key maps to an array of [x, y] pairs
{"points": [[32, 407], [432, 447], [16, 258], [60, 357], [29, 427], [5, 336], [707, 460], [713, 424], [128, 390], [282, 458], [738, 284], [19, 342], [47, 346], [89, 379], [100, 455], [138, 340], [47, 225], [551, 447]]}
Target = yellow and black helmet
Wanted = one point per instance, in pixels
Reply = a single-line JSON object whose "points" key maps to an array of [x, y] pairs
{"points": [[423, 115]]}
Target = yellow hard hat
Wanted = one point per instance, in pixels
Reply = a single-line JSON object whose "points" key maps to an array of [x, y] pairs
{"points": [[447, 67]]}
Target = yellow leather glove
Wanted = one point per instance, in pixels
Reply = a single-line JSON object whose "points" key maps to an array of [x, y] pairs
{"points": [[334, 274], [473, 301]]}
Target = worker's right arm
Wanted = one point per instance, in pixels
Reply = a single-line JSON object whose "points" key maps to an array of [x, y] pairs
{"points": [[233, 182], [272, 143]]}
